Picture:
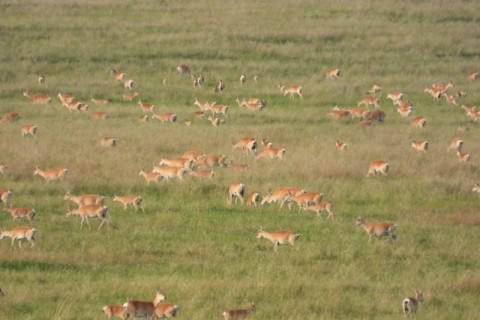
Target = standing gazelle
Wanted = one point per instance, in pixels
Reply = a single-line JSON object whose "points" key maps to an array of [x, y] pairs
{"points": [[239, 313], [377, 229], [237, 190], [278, 237], [410, 305], [134, 200], [52, 174], [378, 166], [18, 213], [20, 233], [136, 308]]}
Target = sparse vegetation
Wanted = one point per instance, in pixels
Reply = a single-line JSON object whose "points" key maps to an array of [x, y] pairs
{"points": [[189, 243]]}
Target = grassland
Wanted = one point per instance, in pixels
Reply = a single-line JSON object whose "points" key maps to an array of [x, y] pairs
{"points": [[200, 252]]}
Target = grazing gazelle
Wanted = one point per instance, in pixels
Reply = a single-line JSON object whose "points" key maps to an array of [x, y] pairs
{"points": [[106, 142], [134, 200], [239, 313], [456, 144], [18, 213], [193, 155], [90, 211], [410, 305], [52, 174], [340, 145], [177, 162], [20, 233], [64, 98], [113, 311], [376, 115], [84, 199], [377, 229], [143, 118], [239, 167], [72, 106], [248, 145], [278, 237], [38, 98], [218, 109], [203, 174], [252, 199], [418, 122], [292, 90], [463, 157], [333, 73], [28, 130], [210, 161], [151, 176], [136, 308], [99, 115], [237, 190], [10, 116], [378, 166], [168, 172], [183, 69], [420, 145], [281, 195]]}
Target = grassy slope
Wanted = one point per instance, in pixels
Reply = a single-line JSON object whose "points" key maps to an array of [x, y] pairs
{"points": [[203, 254]]}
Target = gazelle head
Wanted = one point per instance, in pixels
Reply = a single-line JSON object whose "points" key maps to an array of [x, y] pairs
{"points": [[419, 295], [260, 233], [359, 221]]}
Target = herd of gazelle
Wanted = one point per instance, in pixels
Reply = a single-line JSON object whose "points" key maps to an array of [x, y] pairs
{"points": [[92, 205]]}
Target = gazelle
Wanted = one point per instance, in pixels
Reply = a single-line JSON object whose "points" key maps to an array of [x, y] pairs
{"points": [[99, 115], [418, 122], [28, 130], [52, 174], [361, 113], [146, 106], [151, 176], [436, 94], [377, 229], [472, 75], [99, 101], [64, 98], [84, 199], [169, 173], [404, 111], [218, 109], [410, 305], [319, 207], [200, 80], [256, 106], [199, 114], [193, 155], [374, 89], [166, 310], [204, 174], [333, 73], [340, 114], [18, 234], [38, 98], [271, 153], [134, 200], [456, 144], [165, 117], [119, 76], [476, 188], [215, 121], [305, 199], [292, 90], [450, 98], [266, 144], [72, 106], [17, 213], [41, 79], [113, 311], [136, 308], [211, 161], [420, 145], [376, 115], [5, 196], [378, 166], [202, 105], [183, 69], [281, 195], [177, 162], [239, 313], [90, 211], [106, 142], [369, 101], [10, 116], [442, 87], [239, 167], [128, 84], [83, 106], [463, 157], [165, 80], [366, 123], [237, 190], [219, 87], [278, 237], [248, 145], [340, 145], [252, 199], [243, 78], [143, 118], [130, 96], [3, 169], [395, 96]]}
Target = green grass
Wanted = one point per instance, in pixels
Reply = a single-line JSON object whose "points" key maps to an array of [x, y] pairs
{"points": [[202, 253]]}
